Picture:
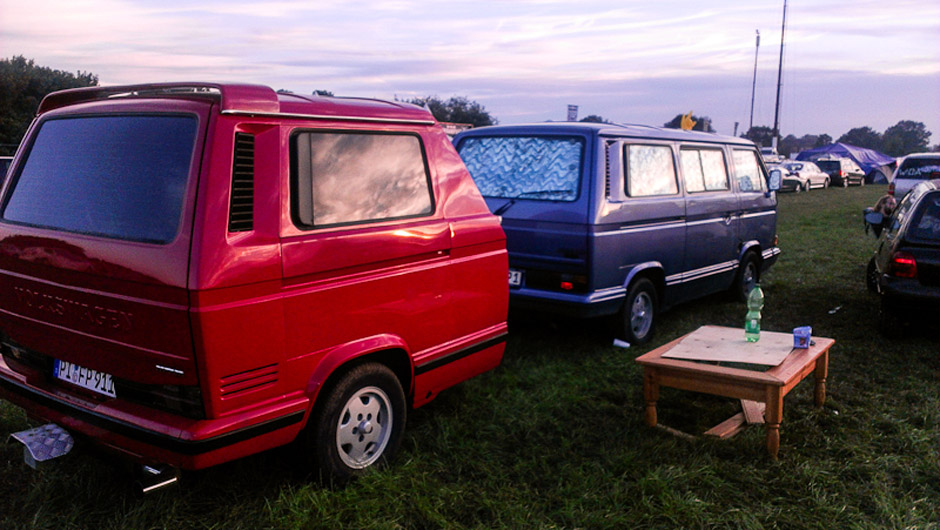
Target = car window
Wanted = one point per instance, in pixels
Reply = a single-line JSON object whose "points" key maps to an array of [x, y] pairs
{"points": [[925, 225], [703, 169], [346, 178], [118, 176], [901, 213], [748, 170], [650, 171], [919, 168], [530, 167]]}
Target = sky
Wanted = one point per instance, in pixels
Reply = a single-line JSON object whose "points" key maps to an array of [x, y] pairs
{"points": [[846, 64]]}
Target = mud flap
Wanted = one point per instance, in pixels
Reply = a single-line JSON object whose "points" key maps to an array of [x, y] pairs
{"points": [[44, 443]]}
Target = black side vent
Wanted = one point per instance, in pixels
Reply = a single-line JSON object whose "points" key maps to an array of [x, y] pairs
{"points": [[607, 169], [241, 210]]}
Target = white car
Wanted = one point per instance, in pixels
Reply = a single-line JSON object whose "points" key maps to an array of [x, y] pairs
{"points": [[914, 168], [801, 176]]}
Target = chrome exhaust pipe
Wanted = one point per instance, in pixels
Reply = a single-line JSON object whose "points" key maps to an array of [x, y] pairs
{"points": [[153, 478]]}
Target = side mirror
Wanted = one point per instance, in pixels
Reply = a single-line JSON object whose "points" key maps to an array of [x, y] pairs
{"points": [[776, 179]]}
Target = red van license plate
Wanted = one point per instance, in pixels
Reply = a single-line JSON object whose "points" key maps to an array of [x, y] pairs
{"points": [[93, 380]]}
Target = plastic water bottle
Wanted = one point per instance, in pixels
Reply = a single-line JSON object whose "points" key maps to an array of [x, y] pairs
{"points": [[755, 302]]}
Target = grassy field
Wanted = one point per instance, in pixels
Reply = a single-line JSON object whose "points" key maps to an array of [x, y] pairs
{"points": [[554, 438]]}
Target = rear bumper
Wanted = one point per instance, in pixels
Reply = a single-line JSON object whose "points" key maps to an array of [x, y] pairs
{"points": [[597, 303], [909, 296], [184, 443]]}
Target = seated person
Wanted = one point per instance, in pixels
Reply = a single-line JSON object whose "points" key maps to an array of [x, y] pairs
{"points": [[885, 207]]}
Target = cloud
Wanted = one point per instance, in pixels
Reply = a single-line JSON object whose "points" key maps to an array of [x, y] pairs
{"points": [[510, 54]]}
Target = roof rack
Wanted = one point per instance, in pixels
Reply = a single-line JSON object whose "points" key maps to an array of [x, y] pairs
{"points": [[240, 97]]}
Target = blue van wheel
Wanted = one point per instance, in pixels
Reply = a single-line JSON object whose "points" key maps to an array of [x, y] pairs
{"points": [[638, 315], [748, 276]]}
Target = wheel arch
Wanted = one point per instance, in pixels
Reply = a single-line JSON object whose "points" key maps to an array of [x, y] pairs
{"points": [[388, 350], [653, 271]]}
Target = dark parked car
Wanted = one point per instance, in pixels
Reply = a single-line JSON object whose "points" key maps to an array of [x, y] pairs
{"points": [[842, 171], [905, 269]]}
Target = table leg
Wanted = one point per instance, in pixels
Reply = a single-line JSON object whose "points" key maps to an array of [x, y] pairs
{"points": [[822, 370], [651, 393], [773, 415]]}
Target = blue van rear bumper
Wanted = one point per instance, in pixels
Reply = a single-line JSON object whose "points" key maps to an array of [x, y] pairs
{"points": [[598, 303]]}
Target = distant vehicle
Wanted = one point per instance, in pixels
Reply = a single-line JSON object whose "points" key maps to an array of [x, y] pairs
{"points": [[5, 162], [842, 171], [802, 176], [770, 155], [905, 269], [915, 168]]}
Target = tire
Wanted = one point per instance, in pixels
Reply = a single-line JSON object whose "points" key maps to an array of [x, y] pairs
{"points": [[359, 425], [806, 187], [798, 188], [845, 182], [637, 317], [871, 276], [861, 181], [826, 184], [747, 277]]}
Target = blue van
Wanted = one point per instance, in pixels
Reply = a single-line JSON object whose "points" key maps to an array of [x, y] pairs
{"points": [[624, 220]]}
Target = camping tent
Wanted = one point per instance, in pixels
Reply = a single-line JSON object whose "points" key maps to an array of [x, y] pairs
{"points": [[878, 167]]}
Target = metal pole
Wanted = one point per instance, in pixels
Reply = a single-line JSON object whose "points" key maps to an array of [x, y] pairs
{"points": [[754, 84], [783, 29]]}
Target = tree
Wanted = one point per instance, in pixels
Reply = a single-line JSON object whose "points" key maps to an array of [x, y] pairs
{"points": [[702, 123], [457, 109], [760, 135], [789, 144], [906, 137], [594, 118], [23, 84], [822, 140], [863, 137]]}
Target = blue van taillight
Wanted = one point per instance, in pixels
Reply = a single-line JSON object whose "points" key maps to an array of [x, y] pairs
{"points": [[556, 281]]}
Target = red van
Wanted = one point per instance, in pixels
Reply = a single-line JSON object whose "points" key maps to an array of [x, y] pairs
{"points": [[192, 273]]}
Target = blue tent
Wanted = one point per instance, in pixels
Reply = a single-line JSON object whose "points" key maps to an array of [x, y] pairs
{"points": [[878, 167]]}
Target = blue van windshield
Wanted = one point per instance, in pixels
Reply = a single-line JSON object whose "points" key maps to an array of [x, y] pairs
{"points": [[525, 167], [122, 177]]}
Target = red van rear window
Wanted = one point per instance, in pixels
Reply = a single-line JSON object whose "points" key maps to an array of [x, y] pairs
{"points": [[121, 176]]}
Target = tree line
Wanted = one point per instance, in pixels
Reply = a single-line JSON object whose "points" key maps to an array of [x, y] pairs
{"points": [[23, 84]]}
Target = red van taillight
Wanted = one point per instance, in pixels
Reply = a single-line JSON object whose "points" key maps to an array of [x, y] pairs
{"points": [[891, 189], [902, 265]]}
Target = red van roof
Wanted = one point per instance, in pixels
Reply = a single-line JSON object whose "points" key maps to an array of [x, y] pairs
{"points": [[250, 99]]}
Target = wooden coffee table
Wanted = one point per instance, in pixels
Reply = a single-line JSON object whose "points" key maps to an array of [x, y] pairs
{"points": [[767, 387]]}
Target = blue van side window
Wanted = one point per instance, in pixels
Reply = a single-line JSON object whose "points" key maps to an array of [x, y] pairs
{"points": [[531, 167], [650, 171], [748, 171], [704, 170]]}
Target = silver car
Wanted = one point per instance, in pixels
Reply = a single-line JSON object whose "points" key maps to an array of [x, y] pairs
{"points": [[802, 176]]}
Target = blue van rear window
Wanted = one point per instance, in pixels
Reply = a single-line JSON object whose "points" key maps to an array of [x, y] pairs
{"points": [[530, 167], [122, 176]]}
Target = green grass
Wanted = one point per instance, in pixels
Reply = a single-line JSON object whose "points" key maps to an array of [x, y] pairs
{"points": [[554, 438]]}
